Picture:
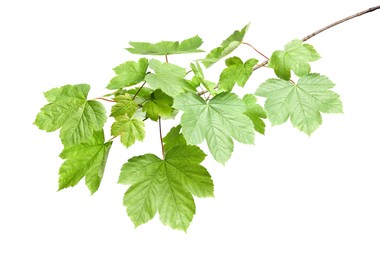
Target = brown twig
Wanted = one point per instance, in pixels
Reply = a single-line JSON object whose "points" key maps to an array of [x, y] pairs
{"points": [[256, 50], [133, 98], [105, 99], [326, 28]]}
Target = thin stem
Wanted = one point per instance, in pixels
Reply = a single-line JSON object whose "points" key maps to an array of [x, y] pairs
{"points": [[105, 99], [166, 58], [113, 137], [162, 143], [133, 98], [250, 45]]}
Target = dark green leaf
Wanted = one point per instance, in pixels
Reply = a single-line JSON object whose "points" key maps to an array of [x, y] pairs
{"points": [[159, 105]]}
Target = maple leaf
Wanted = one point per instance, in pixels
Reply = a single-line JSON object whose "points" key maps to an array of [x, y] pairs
{"points": [[168, 77], [129, 73], [84, 160], [296, 57], [228, 45], [166, 185], [302, 102], [166, 47], [217, 121], [70, 110], [236, 72]]}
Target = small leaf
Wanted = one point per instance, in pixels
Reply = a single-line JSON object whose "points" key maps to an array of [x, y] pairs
{"points": [[227, 46], [168, 77], [129, 130], [166, 186], [70, 110], [128, 74], [302, 102], [217, 121], [236, 72], [84, 160], [296, 57], [190, 45], [160, 104], [200, 78], [255, 112], [124, 106], [173, 138]]}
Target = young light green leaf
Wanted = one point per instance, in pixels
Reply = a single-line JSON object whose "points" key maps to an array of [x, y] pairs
{"points": [[295, 57], [166, 186], [84, 160], [129, 73], [236, 72], [173, 138], [302, 102], [227, 46], [217, 121], [160, 104], [255, 112], [168, 77], [190, 45], [124, 106], [200, 78], [70, 110], [129, 129]]}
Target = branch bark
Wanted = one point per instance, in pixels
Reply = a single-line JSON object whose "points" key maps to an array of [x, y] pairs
{"points": [[306, 38], [326, 28]]}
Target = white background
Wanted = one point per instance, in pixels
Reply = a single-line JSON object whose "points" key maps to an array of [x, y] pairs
{"points": [[287, 197]]}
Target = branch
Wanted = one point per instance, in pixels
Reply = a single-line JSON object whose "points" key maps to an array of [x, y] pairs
{"points": [[314, 34], [326, 28]]}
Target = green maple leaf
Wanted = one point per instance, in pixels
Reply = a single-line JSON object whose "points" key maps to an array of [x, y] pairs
{"points": [[87, 159], [190, 45], [166, 186], [255, 112], [168, 77], [236, 72], [302, 102], [159, 105], [128, 74], [217, 121], [295, 57], [129, 129], [227, 46], [70, 110], [174, 138], [124, 106]]}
